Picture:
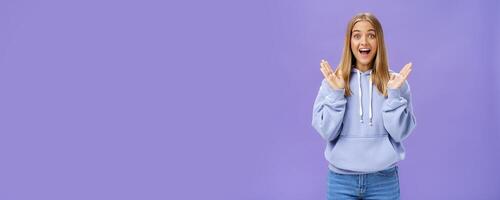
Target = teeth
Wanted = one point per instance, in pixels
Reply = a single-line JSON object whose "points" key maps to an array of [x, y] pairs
{"points": [[364, 49]]}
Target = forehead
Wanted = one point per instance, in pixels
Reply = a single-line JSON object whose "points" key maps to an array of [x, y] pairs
{"points": [[363, 26]]}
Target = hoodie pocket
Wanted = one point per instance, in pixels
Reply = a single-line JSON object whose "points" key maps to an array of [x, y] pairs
{"points": [[365, 154]]}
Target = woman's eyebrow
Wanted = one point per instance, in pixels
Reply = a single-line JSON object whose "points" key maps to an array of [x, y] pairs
{"points": [[360, 31]]}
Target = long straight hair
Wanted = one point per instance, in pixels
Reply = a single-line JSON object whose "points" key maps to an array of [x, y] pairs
{"points": [[380, 68]]}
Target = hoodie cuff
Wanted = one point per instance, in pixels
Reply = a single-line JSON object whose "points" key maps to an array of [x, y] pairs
{"points": [[335, 94], [394, 93]]}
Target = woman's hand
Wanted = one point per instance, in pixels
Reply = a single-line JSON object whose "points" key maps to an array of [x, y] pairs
{"points": [[397, 80], [334, 79]]}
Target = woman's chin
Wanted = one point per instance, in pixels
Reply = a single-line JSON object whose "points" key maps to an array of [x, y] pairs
{"points": [[363, 59]]}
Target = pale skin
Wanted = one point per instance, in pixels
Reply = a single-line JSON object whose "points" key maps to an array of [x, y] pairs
{"points": [[363, 39]]}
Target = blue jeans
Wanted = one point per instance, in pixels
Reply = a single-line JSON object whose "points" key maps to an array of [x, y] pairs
{"points": [[381, 185]]}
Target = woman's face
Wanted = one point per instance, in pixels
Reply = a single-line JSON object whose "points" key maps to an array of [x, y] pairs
{"points": [[363, 43]]}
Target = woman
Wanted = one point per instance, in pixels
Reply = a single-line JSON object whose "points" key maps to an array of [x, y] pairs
{"points": [[364, 112]]}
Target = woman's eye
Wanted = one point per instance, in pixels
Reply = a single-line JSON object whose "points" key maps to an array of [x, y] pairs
{"points": [[371, 36], [356, 36]]}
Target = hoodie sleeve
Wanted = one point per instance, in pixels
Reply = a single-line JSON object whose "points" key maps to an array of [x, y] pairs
{"points": [[397, 113], [328, 111]]}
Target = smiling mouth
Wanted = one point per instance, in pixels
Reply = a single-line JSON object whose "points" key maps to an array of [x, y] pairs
{"points": [[364, 51]]}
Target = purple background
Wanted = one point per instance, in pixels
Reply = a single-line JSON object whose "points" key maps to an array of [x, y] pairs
{"points": [[152, 99]]}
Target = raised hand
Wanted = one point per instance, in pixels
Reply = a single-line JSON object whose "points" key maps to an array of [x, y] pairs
{"points": [[397, 80], [334, 79]]}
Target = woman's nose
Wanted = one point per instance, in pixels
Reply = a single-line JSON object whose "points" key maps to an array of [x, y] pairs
{"points": [[363, 41]]}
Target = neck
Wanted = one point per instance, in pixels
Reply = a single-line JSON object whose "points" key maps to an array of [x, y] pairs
{"points": [[363, 68]]}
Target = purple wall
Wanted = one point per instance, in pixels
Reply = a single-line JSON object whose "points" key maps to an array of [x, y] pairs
{"points": [[212, 99]]}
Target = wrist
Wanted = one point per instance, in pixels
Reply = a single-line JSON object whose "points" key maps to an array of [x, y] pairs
{"points": [[394, 93]]}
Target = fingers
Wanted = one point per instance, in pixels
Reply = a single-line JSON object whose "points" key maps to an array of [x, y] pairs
{"points": [[337, 72], [405, 72], [405, 69], [326, 69], [328, 74], [325, 74]]}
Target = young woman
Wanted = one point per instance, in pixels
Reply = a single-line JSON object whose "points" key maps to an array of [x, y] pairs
{"points": [[364, 113]]}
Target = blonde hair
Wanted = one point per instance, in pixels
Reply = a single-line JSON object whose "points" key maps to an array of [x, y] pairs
{"points": [[380, 70]]}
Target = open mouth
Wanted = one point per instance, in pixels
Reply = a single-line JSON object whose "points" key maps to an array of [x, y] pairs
{"points": [[364, 51]]}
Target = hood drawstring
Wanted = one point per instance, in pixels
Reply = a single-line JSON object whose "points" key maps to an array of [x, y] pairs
{"points": [[360, 98], [371, 95]]}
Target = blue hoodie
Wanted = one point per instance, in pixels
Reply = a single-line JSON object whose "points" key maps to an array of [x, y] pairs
{"points": [[364, 131]]}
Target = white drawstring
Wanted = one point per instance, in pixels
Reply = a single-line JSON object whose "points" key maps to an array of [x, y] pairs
{"points": [[371, 94], [361, 97]]}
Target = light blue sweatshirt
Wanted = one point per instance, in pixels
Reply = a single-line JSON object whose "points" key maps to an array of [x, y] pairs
{"points": [[364, 131]]}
